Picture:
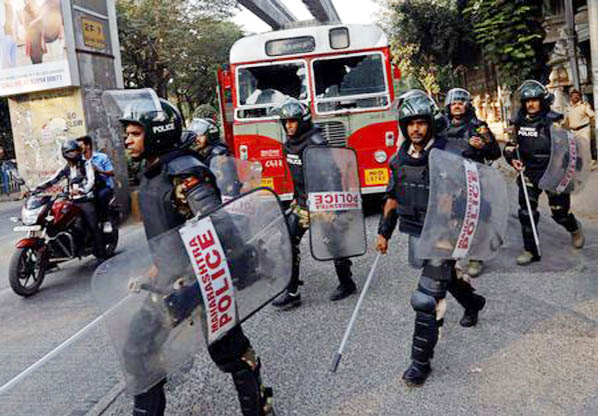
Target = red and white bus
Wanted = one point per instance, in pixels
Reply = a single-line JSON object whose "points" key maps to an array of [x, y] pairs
{"points": [[343, 72]]}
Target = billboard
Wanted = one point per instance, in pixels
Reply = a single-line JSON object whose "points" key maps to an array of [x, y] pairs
{"points": [[33, 46]]}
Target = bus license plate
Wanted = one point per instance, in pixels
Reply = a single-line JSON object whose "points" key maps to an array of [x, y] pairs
{"points": [[268, 182], [376, 176]]}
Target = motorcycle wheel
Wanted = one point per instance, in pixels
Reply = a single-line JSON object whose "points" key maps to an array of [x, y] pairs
{"points": [[111, 240], [26, 271]]}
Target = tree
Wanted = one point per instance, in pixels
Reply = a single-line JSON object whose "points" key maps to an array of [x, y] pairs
{"points": [[175, 46], [428, 39], [511, 37]]}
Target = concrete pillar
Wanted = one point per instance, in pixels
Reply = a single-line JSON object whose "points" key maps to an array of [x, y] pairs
{"points": [[56, 95]]}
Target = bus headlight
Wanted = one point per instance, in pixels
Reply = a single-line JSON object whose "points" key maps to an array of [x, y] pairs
{"points": [[380, 156]]}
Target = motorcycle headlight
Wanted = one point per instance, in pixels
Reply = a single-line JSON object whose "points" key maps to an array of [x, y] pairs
{"points": [[380, 156], [30, 216]]}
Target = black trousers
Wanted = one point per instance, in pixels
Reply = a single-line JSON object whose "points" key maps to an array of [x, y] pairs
{"points": [[560, 205], [103, 197], [91, 221], [342, 266]]}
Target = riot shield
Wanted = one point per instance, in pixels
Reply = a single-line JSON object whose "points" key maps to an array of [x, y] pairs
{"points": [[235, 176], [119, 102], [192, 285], [569, 163], [337, 226], [467, 210]]}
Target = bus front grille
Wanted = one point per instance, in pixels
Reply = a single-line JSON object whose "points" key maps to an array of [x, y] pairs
{"points": [[334, 132]]}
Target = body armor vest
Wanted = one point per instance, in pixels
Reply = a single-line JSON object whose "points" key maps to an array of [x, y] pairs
{"points": [[411, 181], [533, 137], [293, 149]]}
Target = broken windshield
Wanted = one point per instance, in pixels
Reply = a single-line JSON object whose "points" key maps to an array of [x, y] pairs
{"points": [[261, 87]]}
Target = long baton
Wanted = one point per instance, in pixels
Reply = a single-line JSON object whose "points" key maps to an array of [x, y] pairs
{"points": [[529, 208], [337, 357]]}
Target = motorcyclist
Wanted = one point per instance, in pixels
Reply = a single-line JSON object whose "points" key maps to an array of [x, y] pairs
{"points": [[80, 177], [176, 186], [469, 137], [406, 201], [104, 186], [529, 151], [301, 133]]}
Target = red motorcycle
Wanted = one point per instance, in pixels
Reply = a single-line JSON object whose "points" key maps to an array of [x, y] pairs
{"points": [[56, 232]]}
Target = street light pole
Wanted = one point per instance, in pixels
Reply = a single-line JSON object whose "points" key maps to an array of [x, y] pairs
{"points": [[593, 25], [571, 47]]}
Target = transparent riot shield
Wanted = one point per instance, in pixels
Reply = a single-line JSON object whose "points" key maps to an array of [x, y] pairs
{"points": [[467, 210], [119, 102], [569, 165], [337, 226], [192, 285], [234, 176]]}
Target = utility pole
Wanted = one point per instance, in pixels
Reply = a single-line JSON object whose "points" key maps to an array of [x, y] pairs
{"points": [[593, 24], [571, 46]]}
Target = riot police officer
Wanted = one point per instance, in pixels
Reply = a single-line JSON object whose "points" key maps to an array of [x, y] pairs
{"points": [[301, 133], [469, 137], [175, 186], [406, 201], [203, 137], [529, 151]]}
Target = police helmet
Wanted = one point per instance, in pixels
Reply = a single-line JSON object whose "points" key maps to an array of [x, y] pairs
{"points": [[418, 106], [163, 128], [457, 94], [206, 127], [71, 150], [293, 109], [533, 89]]}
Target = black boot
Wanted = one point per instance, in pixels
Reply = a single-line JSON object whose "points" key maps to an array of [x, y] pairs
{"points": [[150, 403], [346, 285], [342, 291], [470, 316], [417, 373], [288, 300]]}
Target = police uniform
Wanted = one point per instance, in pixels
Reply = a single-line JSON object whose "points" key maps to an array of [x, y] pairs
{"points": [[298, 220], [532, 137]]}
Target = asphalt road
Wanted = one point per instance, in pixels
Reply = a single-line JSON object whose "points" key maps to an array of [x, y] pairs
{"points": [[532, 353]]}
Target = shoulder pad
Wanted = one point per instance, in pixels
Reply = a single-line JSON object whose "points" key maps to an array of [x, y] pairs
{"points": [[317, 138], [185, 164]]}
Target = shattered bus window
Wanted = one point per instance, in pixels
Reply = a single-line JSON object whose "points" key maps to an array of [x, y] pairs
{"points": [[261, 87], [350, 82]]}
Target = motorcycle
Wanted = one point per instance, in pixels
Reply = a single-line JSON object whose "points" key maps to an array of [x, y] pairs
{"points": [[56, 233]]}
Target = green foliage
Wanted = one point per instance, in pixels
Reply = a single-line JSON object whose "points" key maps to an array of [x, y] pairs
{"points": [[510, 34], [429, 38], [176, 46]]}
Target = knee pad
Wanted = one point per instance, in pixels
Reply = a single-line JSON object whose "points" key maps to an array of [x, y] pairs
{"points": [[423, 303]]}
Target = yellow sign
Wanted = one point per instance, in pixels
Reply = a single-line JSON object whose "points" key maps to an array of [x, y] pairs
{"points": [[268, 182], [376, 176], [93, 33]]}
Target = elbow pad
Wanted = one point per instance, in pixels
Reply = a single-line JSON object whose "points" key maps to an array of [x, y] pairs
{"points": [[387, 224]]}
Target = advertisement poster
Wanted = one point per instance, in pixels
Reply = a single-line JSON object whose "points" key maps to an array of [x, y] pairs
{"points": [[41, 124], [33, 54]]}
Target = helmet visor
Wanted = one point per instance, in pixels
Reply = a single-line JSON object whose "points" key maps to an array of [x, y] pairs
{"points": [[457, 95], [132, 105]]}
